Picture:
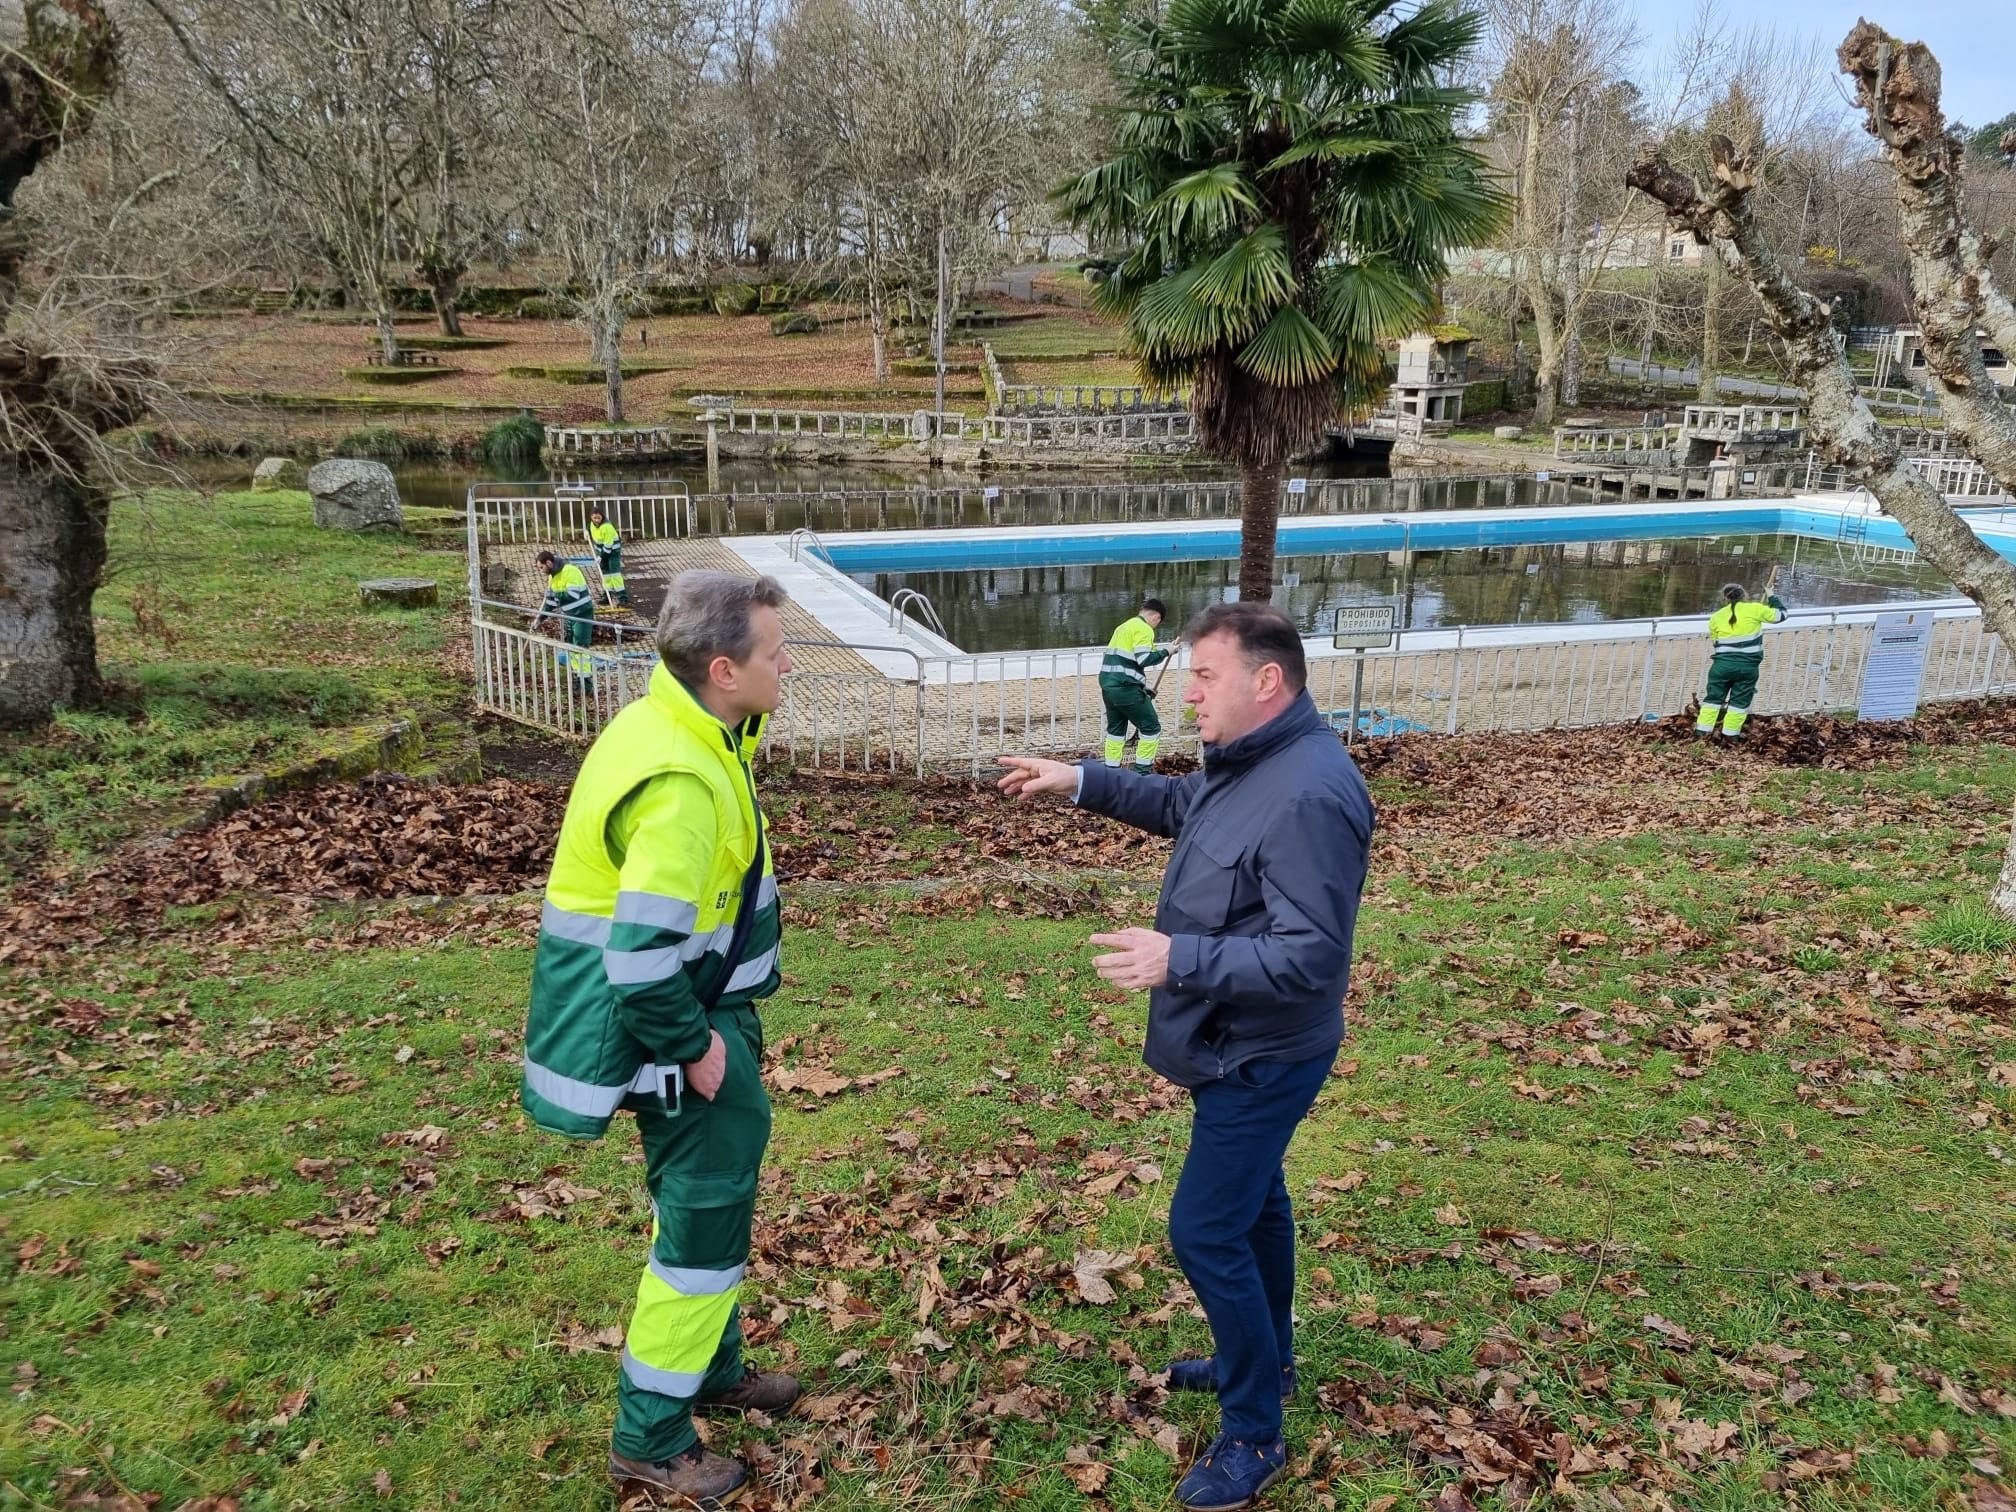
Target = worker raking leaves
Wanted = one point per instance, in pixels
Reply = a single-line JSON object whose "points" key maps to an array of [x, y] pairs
{"points": [[1736, 634], [1123, 687], [569, 601], [608, 558], [660, 933]]}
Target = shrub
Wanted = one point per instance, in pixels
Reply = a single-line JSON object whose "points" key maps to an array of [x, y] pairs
{"points": [[515, 440], [388, 445], [540, 307]]}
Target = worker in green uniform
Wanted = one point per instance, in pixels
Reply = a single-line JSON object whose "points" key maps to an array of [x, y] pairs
{"points": [[608, 558], [1736, 636], [569, 601], [1123, 687], [661, 931]]}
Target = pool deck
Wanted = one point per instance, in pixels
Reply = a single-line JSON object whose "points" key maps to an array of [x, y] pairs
{"points": [[855, 616]]}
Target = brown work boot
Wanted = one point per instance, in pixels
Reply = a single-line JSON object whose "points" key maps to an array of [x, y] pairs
{"points": [[758, 1391], [698, 1478]]}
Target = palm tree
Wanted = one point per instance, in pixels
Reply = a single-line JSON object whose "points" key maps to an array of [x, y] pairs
{"points": [[1289, 180]]}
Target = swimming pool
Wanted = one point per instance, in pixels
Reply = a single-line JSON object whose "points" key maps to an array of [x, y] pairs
{"points": [[1070, 584]]}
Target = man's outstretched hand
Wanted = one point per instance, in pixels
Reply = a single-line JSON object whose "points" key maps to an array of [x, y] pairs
{"points": [[1028, 775], [1140, 958]]}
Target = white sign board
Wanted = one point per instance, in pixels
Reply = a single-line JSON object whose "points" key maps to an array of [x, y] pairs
{"points": [[1542, 477], [990, 493], [1298, 485], [1365, 627], [1895, 669]]}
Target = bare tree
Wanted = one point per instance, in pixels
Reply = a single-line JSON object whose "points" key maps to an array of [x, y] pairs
{"points": [[64, 379], [604, 94], [1954, 294]]}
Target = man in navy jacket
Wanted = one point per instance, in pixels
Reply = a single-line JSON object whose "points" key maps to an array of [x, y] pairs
{"points": [[1246, 969]]}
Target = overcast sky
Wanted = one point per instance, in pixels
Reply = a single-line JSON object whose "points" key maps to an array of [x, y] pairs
{"points": [[1974, 40]]}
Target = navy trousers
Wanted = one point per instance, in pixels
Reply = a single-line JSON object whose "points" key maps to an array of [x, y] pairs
{"points": [[1234, 1233]]}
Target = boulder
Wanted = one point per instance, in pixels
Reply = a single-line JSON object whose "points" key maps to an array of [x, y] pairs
{"points": [[354, 495], [736, 299], [800, 323], [276, 472], [401, 592], [1507, 432]]}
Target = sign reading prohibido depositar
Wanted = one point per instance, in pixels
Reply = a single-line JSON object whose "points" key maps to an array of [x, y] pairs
{"points": [[1895, 670]]}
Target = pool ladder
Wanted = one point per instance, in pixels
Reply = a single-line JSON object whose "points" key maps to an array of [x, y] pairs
{"points": [[808, 538], [905, 598]]}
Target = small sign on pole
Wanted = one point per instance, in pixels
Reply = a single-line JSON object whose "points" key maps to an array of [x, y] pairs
{"points": [[1298, 485], [1364, 627], [1895, 670], [990, 493]]}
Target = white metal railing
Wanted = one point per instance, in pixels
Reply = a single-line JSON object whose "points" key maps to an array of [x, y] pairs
{"points": [[960, 712], [542, 512], [1641, 442]]}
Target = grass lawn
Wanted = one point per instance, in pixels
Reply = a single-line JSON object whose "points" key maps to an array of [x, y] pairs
{"points": [[1079, 332], [231, 629], [1665, 1168]]}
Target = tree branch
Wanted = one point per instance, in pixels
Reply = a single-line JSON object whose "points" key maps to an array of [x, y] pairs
{"points": [[1842, 427], [1897, 86]]}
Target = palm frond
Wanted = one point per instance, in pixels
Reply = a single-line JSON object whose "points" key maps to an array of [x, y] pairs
{"points": [[1204, 203], [1331, 149], [1290, 349], [1253, 271], [1368, 302]]}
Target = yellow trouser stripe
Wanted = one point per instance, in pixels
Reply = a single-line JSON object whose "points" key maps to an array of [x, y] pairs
{"points": [[673, 1336]]}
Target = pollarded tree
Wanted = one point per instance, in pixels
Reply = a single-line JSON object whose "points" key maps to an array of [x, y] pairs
{"points": [[1290, 178]]}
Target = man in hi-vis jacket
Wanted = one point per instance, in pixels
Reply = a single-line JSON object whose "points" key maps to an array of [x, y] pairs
{"points": [[660, 933]]}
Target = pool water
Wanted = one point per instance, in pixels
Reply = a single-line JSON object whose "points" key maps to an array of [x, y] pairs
{"points": [[1017, 608]]}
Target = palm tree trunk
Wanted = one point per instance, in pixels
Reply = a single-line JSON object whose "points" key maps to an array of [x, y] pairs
{"points": [[1259, 520]]}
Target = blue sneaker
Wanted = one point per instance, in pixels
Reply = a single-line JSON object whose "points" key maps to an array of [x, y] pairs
{"points": [[1231, 1474], [1202, 1375]]}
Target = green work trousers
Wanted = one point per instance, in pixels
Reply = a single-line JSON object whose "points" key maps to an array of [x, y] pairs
{"points": [[1128, 704], [1732, 684], [701, 1162]]}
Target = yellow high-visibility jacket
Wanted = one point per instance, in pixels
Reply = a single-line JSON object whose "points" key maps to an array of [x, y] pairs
{"points": [[661, 831]]}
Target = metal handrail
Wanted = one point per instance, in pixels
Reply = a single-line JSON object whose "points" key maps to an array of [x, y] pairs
{"points": [[902, 598], [811, 540]]}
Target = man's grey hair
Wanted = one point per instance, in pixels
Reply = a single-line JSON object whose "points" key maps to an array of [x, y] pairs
{"points": [[707, 614]]}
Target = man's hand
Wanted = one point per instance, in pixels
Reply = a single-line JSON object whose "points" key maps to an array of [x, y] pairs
{"points": [[1028, 775], [1140, 958], [705, 1074]]}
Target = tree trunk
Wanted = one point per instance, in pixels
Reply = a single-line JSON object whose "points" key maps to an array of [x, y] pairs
{"points": [[388, 338], [1713, 280], [2003, 898], [1259, 521], [1571, 267], [444, 286], [1533, 275], [52, 554], [612, 368]]}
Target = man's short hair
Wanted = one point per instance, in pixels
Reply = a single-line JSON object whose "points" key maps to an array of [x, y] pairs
{"points": [[1264, 634], [547, 556], [1156, 605], [707, 614]]}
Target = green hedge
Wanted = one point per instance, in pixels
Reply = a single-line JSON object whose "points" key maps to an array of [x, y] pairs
{"points": [[453, 343], [589, 372], [392, 377], [925, 367]]}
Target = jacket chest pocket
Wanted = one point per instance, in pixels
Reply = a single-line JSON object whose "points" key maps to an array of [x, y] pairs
{"points": [[1215, 887]]}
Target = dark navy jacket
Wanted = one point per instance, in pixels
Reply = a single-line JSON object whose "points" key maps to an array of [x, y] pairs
{"points": [[1260, 898]]}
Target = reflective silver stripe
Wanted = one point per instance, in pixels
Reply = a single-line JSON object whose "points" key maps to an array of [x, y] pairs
{"points": [[588, 1099], [767, 893], [634, 968], [684, 1384], [697, 1283], [1122, 670], [716, 938], [582, 929], [659, 910], [750, 973]]}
